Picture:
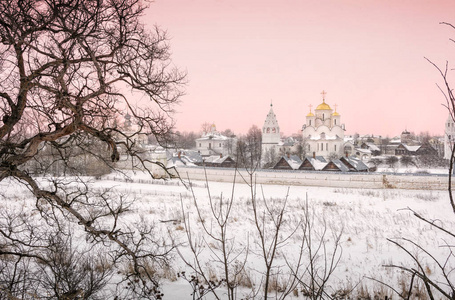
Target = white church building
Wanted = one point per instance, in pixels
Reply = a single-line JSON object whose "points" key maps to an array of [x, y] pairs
{"points": [[323, 132], [214, 143]]}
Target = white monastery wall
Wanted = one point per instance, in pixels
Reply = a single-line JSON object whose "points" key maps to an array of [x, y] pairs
{"points": [[323, 179]]}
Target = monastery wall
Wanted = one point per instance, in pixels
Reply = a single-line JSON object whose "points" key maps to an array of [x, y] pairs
{"points": [[323, 179]]}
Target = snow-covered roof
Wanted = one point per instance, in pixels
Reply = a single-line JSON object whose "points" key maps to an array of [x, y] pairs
{"points": [[187, 157], [321, 158], [317, 163], [174, 162], [356, 163], [289, 142], [214, 137], [373, 147], [216, 159], [340, 165], [327, 137], [366, 136], [154, 148], [411, 148], [192, 156], [364, 151], [294, 161]]}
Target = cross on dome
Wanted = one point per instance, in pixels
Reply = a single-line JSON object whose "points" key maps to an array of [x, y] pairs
{"points": [[310, 114], [323, 105], [323, 95]]}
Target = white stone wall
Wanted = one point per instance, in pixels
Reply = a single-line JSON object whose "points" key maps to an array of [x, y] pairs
{"points": [[325, 179]]}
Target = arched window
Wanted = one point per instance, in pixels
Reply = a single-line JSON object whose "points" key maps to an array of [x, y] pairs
{"points": [[335, 121], [323, 135], [309, 122], [273, 130], [268, 130]]}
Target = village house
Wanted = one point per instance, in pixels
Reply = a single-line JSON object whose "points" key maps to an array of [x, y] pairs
{"points": [[214, 143], [218, 161], [288, 162]]}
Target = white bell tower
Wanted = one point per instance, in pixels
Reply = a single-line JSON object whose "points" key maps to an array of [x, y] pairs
{"points": [[270, 131]]}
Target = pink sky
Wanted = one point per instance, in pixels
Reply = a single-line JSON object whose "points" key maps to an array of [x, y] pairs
{"points": [[367, 55]]}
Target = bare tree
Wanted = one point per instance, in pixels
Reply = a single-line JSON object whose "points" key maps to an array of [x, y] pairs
{"points": [[376, 161], [44, 261], [392, 161], [440, 281], [249, 149], [185, 140], [228, 132], [318, 260], [230, 143], [65, 66], [269, 158], [227, 253], [269, 222], [206, 127], [406, 160]]}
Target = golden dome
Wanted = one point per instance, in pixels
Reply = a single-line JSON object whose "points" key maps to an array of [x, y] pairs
{"points": [[310, 114], [335, 114], [323, 106]]}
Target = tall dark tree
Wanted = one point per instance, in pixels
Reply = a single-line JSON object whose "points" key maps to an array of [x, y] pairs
{"points": [[185, 140], [392, 161], [249, 148], [406, 160], [65, 68]]}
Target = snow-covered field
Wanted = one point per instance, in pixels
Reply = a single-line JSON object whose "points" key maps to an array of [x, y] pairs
{"points": [[364, 218]]}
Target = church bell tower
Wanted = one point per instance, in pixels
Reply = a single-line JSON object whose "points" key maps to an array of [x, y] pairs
{"points": [[270, 131]]}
